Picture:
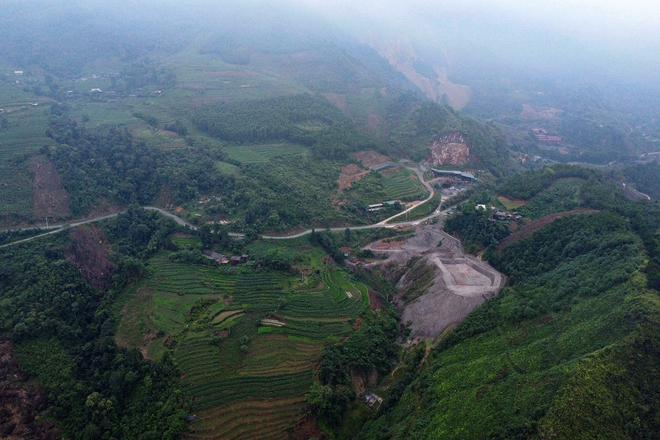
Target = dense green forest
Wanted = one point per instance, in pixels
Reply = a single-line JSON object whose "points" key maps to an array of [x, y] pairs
{"points": [[304, 119], [63, 326], [111, 166], [646, 178]]}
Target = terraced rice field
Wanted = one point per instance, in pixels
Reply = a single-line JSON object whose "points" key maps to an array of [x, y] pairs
{"points": [[174, 277], [25, 134], [250, 418], [215, 392], [401, 186], [271, 354], [245, 379], [263, 153], [15, 191]]}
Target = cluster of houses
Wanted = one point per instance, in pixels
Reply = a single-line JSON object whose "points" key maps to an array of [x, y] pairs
{"points": [[469, 177], [372, 400], [224, 259], [379, 206], [498, 214], [544, 137]]}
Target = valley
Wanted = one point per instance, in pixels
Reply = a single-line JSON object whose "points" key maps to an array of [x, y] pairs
{"points": [[260, 221]]}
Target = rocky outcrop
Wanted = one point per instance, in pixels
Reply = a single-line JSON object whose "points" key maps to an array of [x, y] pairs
{"points": [[448, 149]]}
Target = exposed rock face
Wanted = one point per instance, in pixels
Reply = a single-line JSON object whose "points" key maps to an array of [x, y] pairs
{"points": [[402, 56], [448, 149]]}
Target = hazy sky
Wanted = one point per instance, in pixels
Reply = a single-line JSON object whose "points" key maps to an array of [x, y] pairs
{"points": [[587, 38], [598, 36]]}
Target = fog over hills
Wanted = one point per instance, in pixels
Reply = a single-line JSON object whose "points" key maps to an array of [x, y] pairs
{"points": [[270, 219], [588, 40]]}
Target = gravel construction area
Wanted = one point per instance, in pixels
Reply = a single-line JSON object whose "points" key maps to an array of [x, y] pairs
{"points": [[461, 282]]}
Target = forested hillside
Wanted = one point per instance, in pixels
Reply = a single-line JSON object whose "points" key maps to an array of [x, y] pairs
{"points": [[258, 119], [646, 178], [414, 123], [568, 349], [303, 119], [61, 313]]}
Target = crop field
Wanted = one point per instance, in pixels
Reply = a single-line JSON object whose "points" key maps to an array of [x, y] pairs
{"points": [[319, 305], [185, 240], [310, 329], [271, 354], [509, 204], [401, 186], [198, 73], [262, 153], [250, 418], [15, 192], [216, 391], [227, 168], [103, 114], [25, 133], [174, 277], [236, 368]]}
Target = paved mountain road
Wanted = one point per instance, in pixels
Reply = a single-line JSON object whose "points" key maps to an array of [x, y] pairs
{"points": [[182, 222]]}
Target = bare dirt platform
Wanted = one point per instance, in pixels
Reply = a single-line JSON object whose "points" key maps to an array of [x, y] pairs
{"points": [[461, 282]]}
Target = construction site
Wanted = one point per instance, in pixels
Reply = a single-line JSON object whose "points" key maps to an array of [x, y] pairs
{"points": [[459, 282]]}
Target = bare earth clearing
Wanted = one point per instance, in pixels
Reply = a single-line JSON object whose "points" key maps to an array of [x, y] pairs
{"points": [[461, 282], [49, 198], [349, 174], [89, 252], [370, 158]]}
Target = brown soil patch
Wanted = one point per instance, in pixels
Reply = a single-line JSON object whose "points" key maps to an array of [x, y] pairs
{"points": [[48, 196], [529, 228], [20, 404], [450, 149], [307, 429], [374, 120], [370, 158], [376, 301], [89, 252], [349, 174]]}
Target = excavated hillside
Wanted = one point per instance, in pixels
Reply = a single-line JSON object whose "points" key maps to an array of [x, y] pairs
{"points": [[437, 284], [448, 149]]}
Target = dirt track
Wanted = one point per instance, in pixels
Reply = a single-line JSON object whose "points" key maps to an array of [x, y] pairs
{"points": [[461, 282], [529, 228]]}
